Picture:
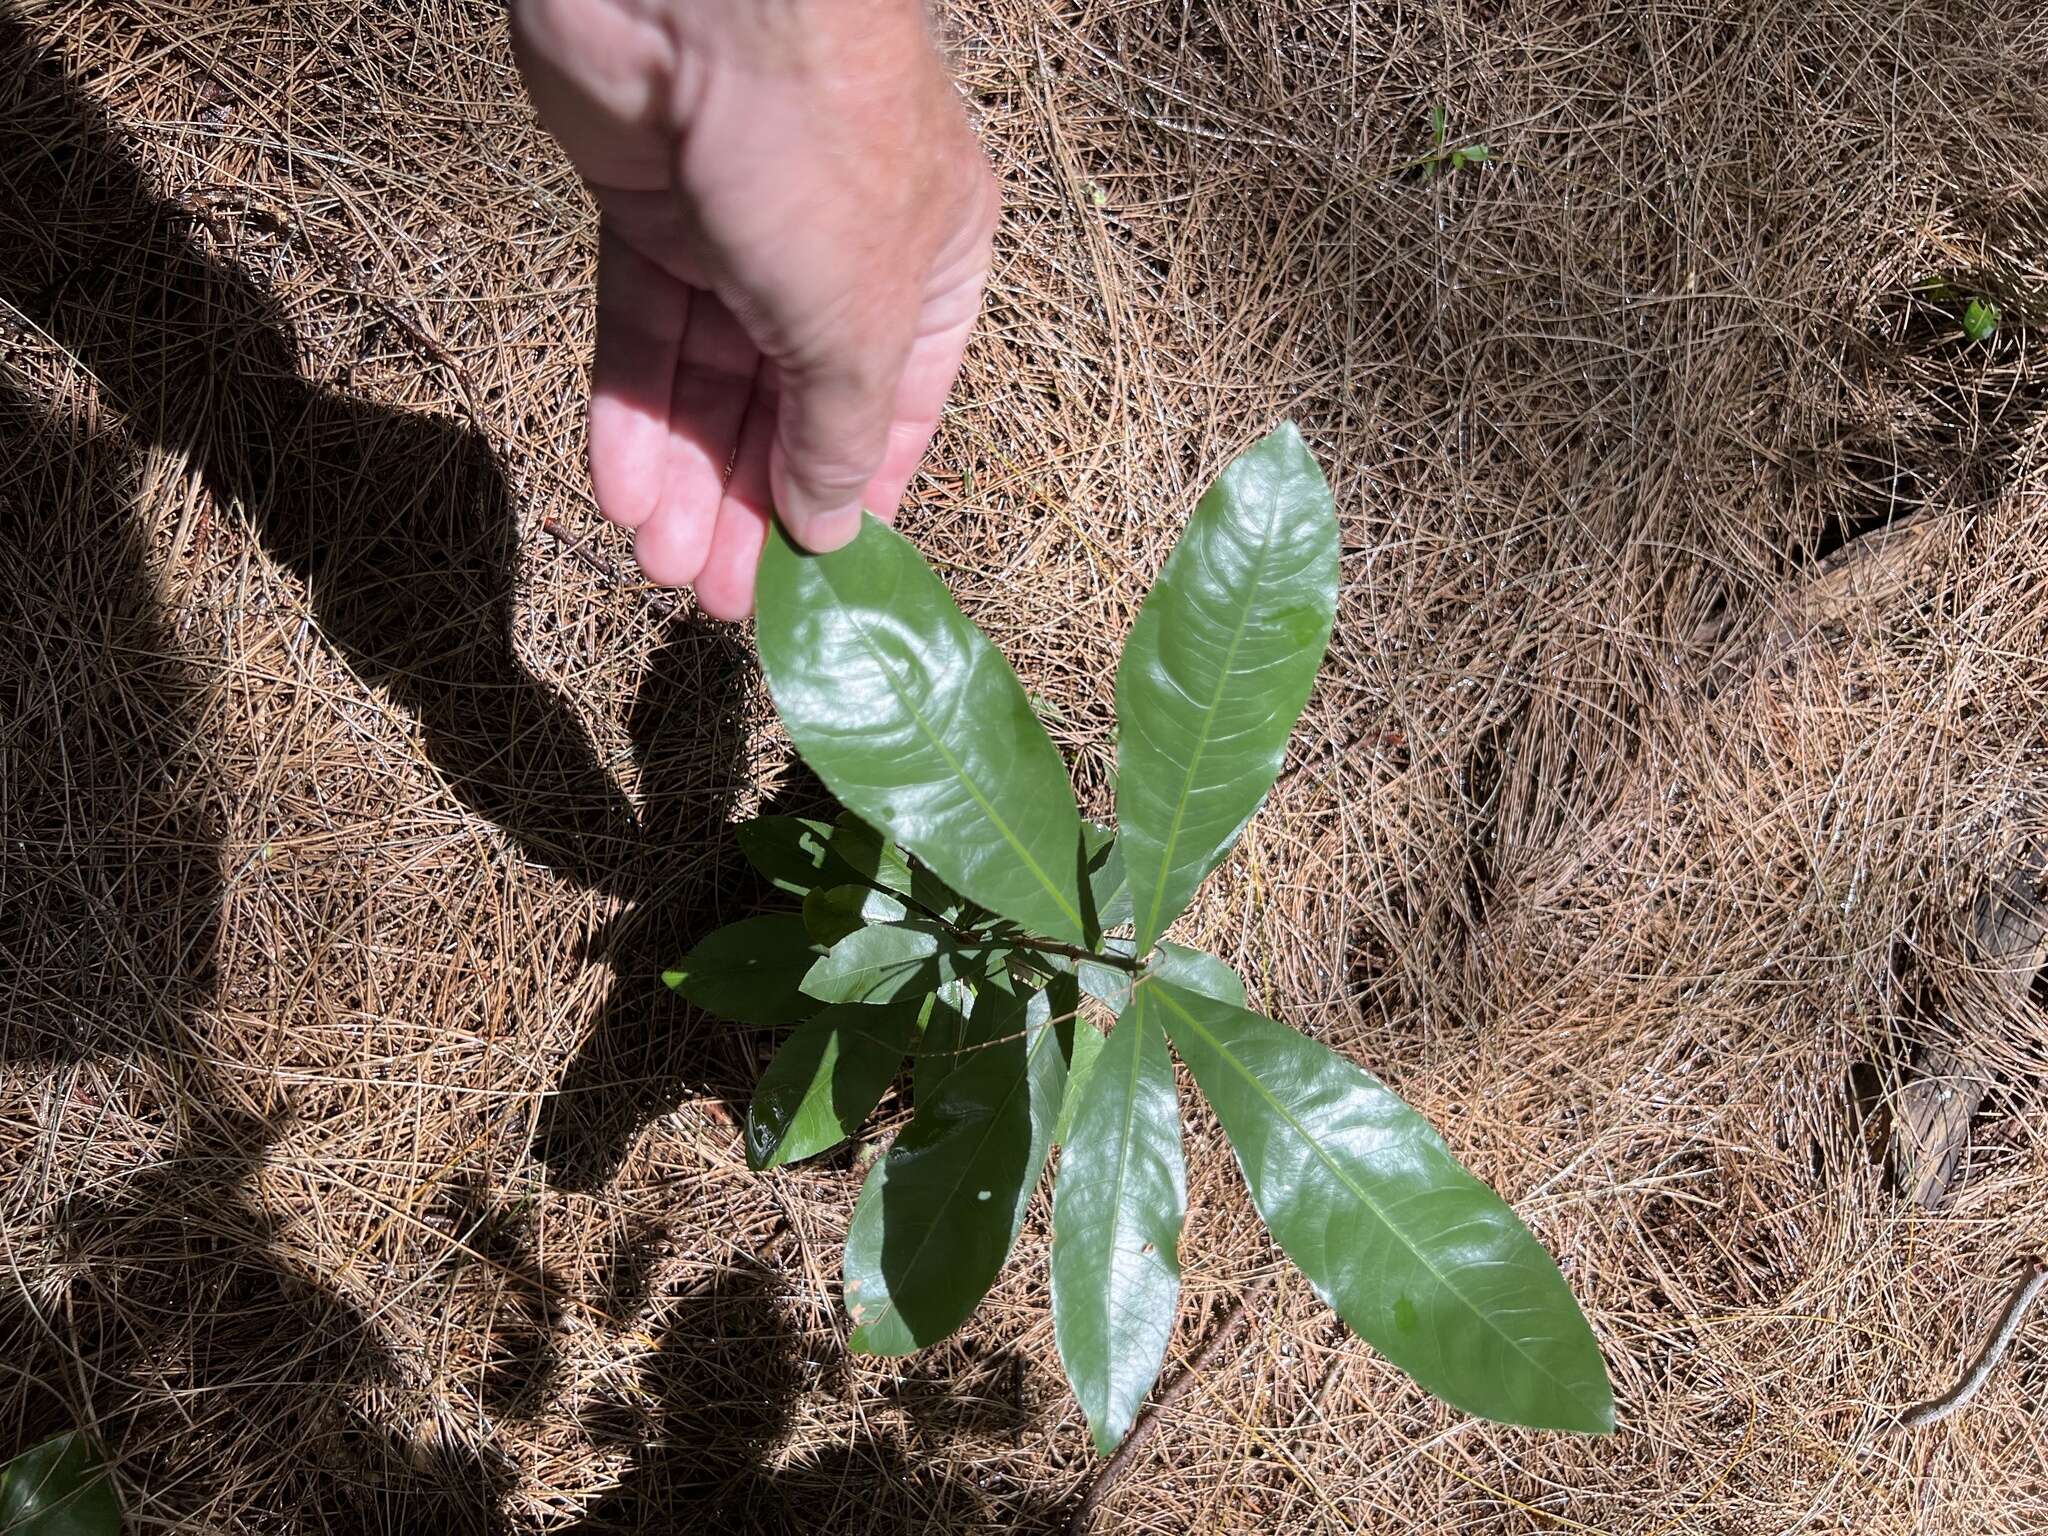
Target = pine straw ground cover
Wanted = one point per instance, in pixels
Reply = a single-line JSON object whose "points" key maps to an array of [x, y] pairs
{"points": [[356, 1173]]}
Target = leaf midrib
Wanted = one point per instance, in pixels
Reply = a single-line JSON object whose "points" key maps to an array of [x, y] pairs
{"points": [[1371, 1204], [1180, 805], [917, 1254], [897, 687]]}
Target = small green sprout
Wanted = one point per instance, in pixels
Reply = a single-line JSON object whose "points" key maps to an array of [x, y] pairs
{"points": [[1980, 319], [1443, 159]]}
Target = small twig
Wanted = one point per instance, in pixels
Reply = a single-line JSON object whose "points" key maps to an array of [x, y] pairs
{"points": [[577, 547], [1933, 1412], [1126, 1454]]}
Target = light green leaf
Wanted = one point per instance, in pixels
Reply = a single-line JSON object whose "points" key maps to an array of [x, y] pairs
{"points": [[58, 1488], [1412, 1251], [877, 965], [750, 971], [1980, 319], [1110, 984], [1197, 972], [827, 1078], [1118, 1202], [916, 723], [831, 913], [1083, 1052], [1217, 669], [938, 1215]]}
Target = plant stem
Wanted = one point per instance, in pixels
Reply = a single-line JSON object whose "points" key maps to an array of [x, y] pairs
{"points": [[1019, 941]]}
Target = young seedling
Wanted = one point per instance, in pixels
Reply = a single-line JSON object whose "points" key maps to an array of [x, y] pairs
{"points": [[1980, 319], [1447, 159], [958, 911]]}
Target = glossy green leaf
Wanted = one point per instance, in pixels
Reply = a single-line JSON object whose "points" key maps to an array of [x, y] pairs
{"points": [[879, 861], [1197, 972], [1083, 1051], [827, 1078], [1408, 1247], [939, 1213], [945, 1035], [751, 971], [58, 1488], [1217, 669], [916, 723], [832, 912], [1108, 890], [1109, 984], [795, 853], [1118, 1202], [878, 965]]}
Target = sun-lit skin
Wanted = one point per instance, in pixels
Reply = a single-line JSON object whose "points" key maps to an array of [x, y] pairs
{"points": [[794, 232]]}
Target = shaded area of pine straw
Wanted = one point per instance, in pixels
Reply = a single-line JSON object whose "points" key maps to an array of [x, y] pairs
{"points": [[356, 1174]]}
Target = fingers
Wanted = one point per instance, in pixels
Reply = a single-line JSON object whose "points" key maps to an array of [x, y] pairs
{"points": [[928, 376], [642, 313], [831, 435], [714, 379], [725, 587], [673, 375]]}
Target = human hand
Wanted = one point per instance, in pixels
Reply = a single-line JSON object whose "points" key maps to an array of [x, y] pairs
{"points": [[794, 231]]}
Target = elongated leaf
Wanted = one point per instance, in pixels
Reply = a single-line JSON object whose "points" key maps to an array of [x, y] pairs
{"points": [[916, 723], [1197, 972], [1217, 669], [945, 1035], [877, 965], [795, 853], [832, 912], [751, 971], [1108, 891], [1084, 1051], [881, 863], [827, 1078], [939, 1213], [1413, 1252], [58, 1488], [1118, 1202]]}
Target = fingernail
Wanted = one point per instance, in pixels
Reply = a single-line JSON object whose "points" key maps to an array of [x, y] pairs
{"points": [[824, 531]]}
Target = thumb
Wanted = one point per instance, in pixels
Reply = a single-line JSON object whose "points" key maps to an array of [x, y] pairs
{"points": [[831, 432]]}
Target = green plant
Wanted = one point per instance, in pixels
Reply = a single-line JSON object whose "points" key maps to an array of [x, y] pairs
{"points": [[1445, 160], [1980, 319], [58, 1488], [964, 933]]}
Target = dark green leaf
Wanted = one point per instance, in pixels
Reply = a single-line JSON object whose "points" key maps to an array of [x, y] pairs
{"points": [[827, 1078], [830, 914], [877, 965], [1108, 891], [795, 852], [751, 971], [938, 1215], [1413, 1252], [1217, 670], [58, 1488], [1197, 972], [916, 723], [1118, 1203], [945, 1035], [879, 861]]}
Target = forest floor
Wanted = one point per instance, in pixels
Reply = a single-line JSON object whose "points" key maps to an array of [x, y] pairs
{"points": [[1669, 822]]}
